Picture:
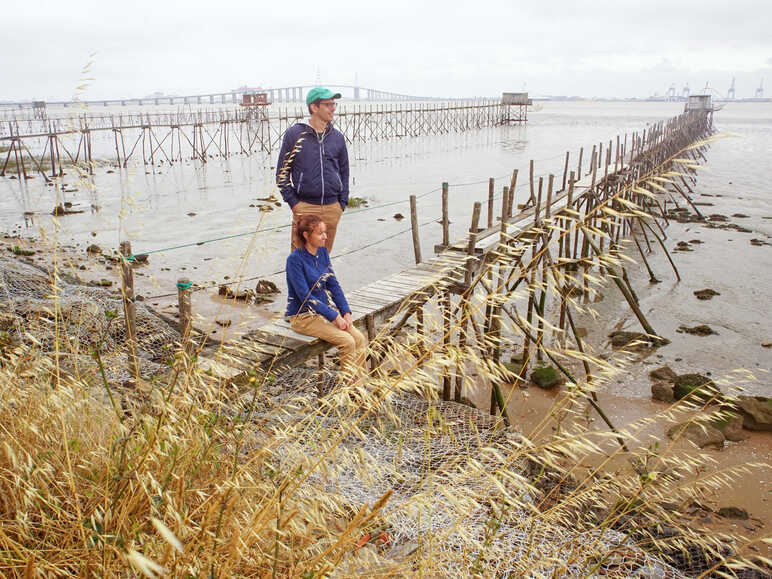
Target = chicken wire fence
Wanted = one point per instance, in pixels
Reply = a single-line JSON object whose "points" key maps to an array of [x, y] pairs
{"points": [[84, 319], [435, 457]]}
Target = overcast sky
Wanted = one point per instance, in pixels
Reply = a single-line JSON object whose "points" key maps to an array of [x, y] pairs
{"points": [[433, 48]]}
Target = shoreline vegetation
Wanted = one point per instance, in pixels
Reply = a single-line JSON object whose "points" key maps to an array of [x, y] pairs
{"points": [[286, 473]]}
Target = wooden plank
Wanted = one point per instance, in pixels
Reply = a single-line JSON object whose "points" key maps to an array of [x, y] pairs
{"points": [[401, 288], [273, 339], [370, 297], [277, 328], [386, 294]]}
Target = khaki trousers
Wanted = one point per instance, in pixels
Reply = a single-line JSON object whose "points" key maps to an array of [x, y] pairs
{"points": [[351, 343], [330, 214]]}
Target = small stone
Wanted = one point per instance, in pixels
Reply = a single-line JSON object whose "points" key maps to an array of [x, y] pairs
{"points": [[662, 373], [701, 330], [93, 249], [191, 214], [265, 286], [700, 434], [733, 513], [223, 323], [766, 344], [741, 215], [399, 216], [545, 377], [141, 258], [706, 294], [696, 386], [730, 424], [756, 412], [662, 391], [622, 339]]}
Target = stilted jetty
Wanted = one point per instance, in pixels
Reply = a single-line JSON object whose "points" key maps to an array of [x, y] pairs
{"points": [[540, 254], [43, 146]]}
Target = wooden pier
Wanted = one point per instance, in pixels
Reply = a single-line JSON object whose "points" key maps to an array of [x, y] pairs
{"points": [[563, 230], [45, 146]]}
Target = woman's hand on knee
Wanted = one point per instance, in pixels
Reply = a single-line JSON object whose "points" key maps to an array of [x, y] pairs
{"points": [[340, 323], [348, 320]]}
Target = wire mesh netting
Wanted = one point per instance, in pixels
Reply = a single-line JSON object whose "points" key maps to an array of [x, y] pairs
{"points": [[75, 320], [461, 488]]}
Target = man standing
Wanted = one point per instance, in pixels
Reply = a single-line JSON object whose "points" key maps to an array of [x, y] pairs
{"points": [[312, 171]]}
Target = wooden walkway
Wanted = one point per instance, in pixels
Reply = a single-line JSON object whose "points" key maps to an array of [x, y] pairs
{"points": [[596, 193], [276, 344]]}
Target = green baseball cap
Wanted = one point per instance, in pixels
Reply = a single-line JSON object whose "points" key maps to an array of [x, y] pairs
{"points": [[320, 93]]}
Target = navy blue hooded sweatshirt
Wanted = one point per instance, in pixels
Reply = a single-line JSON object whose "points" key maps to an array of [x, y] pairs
{"points": [[309, 278], [313, 168]]}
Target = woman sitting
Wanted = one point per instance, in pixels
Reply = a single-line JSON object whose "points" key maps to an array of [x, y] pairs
{"points": [[309, 278]]}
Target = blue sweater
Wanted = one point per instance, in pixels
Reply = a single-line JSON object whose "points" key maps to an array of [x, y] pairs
{"points": [[318, 171], [309, 277]]}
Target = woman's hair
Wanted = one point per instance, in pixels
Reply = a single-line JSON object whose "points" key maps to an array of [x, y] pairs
{"points": [[306, 224]]}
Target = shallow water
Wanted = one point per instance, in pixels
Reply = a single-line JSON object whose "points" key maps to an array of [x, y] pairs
{"points": [[153, 207]]}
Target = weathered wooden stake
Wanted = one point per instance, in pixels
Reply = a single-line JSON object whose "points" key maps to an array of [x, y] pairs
{"points": [[185, 311], [370, 327], [445, 219], [511, 195], [491, 189], [414, 227], [470, 250], [445, 305], [129, 306]]}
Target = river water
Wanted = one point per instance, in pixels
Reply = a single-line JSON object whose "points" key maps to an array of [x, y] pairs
{"points": [[182, 205]]}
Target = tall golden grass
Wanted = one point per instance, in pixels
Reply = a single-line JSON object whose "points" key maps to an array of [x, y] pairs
{"points": [[289, 473]]}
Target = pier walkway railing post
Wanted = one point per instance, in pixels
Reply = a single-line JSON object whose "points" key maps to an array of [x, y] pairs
{"points": [[185, 311], [414, 227], [129, 306]]}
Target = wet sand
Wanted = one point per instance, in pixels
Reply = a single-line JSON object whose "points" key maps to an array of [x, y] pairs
{"points": [[734, 357]]}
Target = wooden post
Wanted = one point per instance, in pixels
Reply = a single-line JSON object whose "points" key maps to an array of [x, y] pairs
{"points": [[532, 199], [445, 219], [414, 226], [470, 250], [569, 202], [511, 198], [129, 306], [185, 310], [548, 208], [491, 186], [370, 327], [579, 165], [445, 304], [565, 173], [503, 224]]}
